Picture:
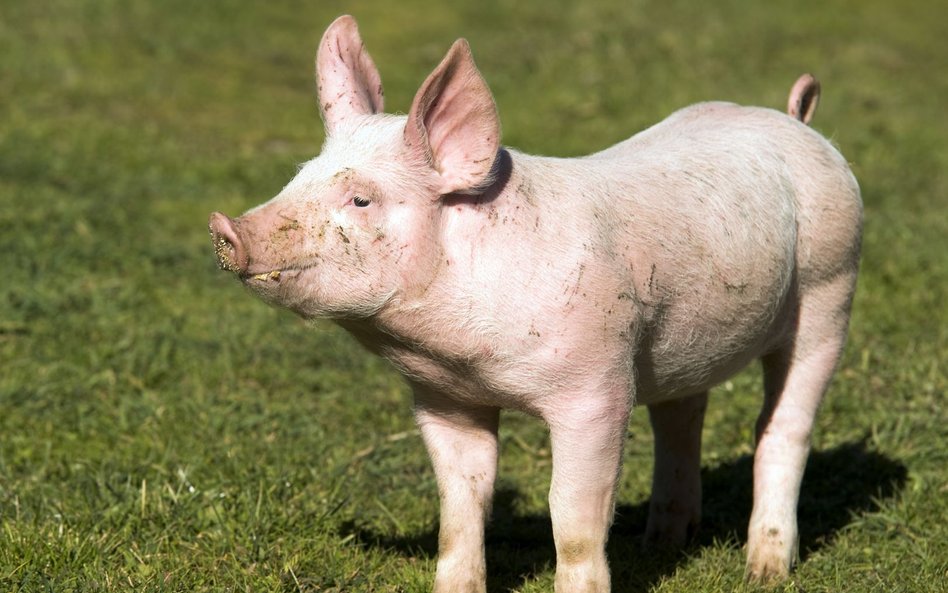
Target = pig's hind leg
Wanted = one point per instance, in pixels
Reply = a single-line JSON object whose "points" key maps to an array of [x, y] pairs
{"points": [[796, 376], [675, 508]]}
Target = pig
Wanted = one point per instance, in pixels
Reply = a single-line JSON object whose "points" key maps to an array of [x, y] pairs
{"points": [[570, 289]]}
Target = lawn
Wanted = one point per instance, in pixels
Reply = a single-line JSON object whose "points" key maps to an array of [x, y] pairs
{"points": [[162, 430]]}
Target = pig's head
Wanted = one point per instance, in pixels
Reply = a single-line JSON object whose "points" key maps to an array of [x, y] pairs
{"points": [[360, 225]]}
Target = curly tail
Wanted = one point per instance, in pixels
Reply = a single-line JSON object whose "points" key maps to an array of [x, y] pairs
{"points": [[804, 97]]}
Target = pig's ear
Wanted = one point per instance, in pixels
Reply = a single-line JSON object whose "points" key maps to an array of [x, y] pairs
{"points": [[347, 80], [453, 123]]}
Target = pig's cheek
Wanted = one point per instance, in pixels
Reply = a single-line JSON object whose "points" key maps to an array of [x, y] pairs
{"points": [[392, 252], [313, 245], [379, 234]]}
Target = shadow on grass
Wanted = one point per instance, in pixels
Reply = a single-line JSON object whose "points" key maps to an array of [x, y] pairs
{"points": [[840, 483]]}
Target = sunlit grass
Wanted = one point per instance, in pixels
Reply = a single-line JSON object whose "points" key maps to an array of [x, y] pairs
{"points": [[161, 430]]}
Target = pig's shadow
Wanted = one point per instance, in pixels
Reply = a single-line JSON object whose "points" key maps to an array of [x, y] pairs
{"points": [[840, 483]]}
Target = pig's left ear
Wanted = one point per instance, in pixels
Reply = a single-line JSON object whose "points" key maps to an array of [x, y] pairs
{"points": [[347, 80], [453, 124]]}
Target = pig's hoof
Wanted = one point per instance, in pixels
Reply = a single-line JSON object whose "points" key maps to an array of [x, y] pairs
{"points": [[766, 569], [767, 575], [771, 553], [671, 528]]}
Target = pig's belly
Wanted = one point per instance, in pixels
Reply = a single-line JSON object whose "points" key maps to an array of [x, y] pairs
{"points": [[689, 354], [662, 382]]}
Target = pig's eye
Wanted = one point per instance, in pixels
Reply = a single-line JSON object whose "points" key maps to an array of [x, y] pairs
{"points": [[361, 202]]}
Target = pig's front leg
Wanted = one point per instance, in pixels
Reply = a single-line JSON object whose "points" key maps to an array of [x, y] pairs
{"points": [[587, 437], [462, 443]]}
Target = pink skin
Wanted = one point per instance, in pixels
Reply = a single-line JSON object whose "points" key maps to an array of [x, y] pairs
{"points": [[569, 289]]}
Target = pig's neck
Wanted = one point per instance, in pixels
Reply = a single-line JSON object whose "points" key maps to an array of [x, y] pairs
{"points": [[427, 344]]}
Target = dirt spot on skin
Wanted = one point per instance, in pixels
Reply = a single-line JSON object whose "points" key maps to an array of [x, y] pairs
{"points": [[574, 552], [343, 174], [740, 288], [575, 287], [290, 225], [223, 250], [446, 540], [525, 189]]}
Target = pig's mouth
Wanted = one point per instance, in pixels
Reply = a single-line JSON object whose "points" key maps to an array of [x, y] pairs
{"points": [[274, 277]]}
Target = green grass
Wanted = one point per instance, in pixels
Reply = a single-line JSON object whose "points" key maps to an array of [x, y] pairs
{"points": [[161, 430]]}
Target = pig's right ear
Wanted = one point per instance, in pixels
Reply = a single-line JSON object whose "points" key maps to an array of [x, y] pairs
{"points": [[453, 124], [348, 83]]}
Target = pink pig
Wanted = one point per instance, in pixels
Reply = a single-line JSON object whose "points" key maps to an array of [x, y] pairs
{"points": [[570, 289]]}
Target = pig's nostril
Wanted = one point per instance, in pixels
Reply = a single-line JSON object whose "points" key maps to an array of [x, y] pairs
{"points": [[226, 254], [227, 247]]}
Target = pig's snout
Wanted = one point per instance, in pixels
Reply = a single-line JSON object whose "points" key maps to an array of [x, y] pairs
{"points": [[231, 253]]}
